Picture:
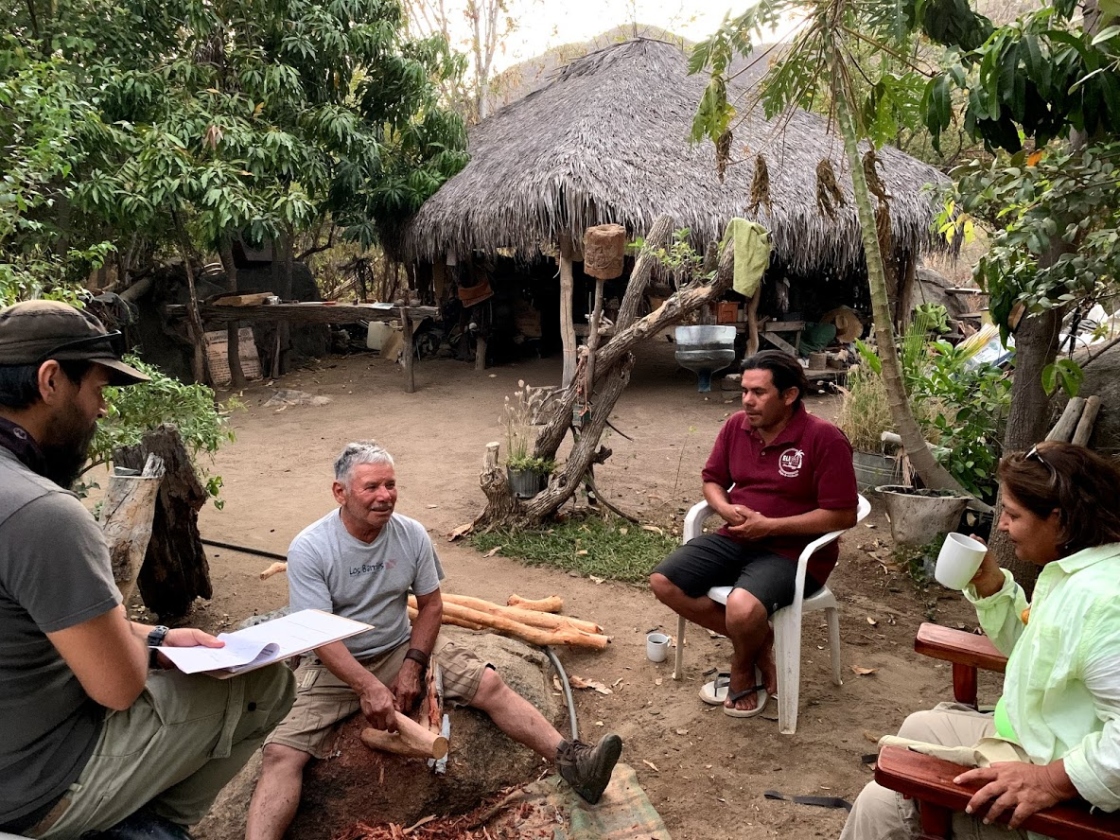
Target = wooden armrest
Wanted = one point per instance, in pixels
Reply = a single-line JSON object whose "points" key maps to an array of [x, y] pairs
{"points": [[930, 781], [959, 647], [966, 651]]}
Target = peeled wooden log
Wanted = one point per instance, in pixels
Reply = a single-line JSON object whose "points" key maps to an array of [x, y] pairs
{"points": [[275, 569], [533, 618], [454, 621], [410, 739], [551, 604], [534, 635], [475, 620]]}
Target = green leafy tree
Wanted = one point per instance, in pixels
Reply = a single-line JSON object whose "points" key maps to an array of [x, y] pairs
{"points": [[203, 423]]}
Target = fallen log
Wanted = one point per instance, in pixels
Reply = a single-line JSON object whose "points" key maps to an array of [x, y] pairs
{"points": [[410, 739], [551, 604], [533, 618]]}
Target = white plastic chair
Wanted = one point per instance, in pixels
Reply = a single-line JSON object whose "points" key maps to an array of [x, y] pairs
{"points": [[786, 621]]}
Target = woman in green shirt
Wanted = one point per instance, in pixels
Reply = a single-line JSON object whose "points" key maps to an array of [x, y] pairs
{"points": [[1061, 694]]}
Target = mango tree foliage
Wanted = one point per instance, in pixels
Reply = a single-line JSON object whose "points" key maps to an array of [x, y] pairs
{"points": [[263, 117]]}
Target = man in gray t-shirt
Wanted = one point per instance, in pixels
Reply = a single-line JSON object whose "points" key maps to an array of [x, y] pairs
{"points": [[361, 561]]}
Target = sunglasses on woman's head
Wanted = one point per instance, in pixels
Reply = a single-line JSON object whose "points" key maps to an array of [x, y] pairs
{"points": [[1036, 455]]}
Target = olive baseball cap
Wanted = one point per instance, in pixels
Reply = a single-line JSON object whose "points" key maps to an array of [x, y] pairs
{"points": [[34, 331]]}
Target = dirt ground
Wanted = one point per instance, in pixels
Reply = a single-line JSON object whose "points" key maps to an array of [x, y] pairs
{"points": [[704, 772]]}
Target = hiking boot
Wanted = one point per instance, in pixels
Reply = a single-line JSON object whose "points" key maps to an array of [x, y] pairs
{"points": [[588, 769]]}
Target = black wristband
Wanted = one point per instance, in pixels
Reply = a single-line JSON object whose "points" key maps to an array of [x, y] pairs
{"points": [[155, 639], [419, 657]]}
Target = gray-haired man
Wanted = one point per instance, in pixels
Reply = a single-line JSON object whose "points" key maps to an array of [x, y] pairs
{"points": [[361, 561]]}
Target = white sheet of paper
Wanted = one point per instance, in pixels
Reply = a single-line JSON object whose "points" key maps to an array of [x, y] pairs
{"points": [[263, 644]]}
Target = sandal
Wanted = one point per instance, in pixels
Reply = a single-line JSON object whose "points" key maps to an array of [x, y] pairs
{"points": [[715, 692], [760, 703]]}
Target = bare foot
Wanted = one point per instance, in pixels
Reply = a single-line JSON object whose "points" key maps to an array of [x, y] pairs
{"points": [[739, 684]]}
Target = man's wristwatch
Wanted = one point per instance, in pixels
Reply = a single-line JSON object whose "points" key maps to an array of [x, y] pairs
{"points": [[419, 657], [155, 639]]}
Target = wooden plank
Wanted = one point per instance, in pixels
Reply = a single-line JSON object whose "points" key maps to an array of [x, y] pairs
{"points": [[783, 326], [254, 299], [315, 312], [779, 342], [930, 780]]}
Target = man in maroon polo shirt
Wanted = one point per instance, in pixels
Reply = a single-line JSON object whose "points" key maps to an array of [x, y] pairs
{"points": [[779, 477]]}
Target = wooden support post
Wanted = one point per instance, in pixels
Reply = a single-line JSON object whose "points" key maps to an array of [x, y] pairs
{"points": [[480, 352], [752, 320], [593, 337], [567, 325], [1064, 428], [1084, 428], [409, 352]]}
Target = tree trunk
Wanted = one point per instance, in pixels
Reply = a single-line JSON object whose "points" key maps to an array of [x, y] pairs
{"points": [[233, 342], [175, 570], [612, 373], [283, 329], [548, 441], [1028, 418], [567, 327], [194, 320], [932, 473]]}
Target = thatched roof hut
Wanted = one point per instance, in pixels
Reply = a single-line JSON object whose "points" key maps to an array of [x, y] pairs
{"points": [[607, 141]]}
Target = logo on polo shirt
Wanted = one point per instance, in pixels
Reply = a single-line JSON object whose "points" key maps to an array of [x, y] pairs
{"points": [[790, 461]]}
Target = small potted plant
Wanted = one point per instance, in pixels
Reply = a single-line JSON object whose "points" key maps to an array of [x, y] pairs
{"points": [[527, 474], [864, 415]]}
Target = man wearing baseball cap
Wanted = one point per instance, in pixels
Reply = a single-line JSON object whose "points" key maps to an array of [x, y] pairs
{"points": [[90, 739]]}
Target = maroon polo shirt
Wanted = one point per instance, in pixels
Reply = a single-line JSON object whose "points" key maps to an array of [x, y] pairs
{"points": [[807, 466]]}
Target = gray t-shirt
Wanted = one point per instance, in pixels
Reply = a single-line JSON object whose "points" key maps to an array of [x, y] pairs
{"points": [[330, 569], [54, 574]]}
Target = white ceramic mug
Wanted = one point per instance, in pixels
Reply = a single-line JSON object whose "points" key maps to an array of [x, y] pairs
{"points": [[657, 647], [958, 561]]}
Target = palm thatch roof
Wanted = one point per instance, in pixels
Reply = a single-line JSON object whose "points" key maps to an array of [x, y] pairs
{"points": [[607, 141]]}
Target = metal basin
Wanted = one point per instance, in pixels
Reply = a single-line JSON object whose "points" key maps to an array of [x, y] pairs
{"points": [[705, 349]]}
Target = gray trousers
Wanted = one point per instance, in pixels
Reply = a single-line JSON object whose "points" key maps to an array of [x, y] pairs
{"points": [[882, 814]]}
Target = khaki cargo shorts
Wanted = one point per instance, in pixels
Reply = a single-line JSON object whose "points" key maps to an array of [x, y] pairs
{"points": [[323, 700]]}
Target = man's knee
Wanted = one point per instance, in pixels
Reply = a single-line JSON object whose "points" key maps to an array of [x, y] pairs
{"points": [[664, 590], [491, 690], [283, 760], [744, 611]]}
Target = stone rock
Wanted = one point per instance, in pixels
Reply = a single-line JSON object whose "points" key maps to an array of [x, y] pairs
{"points": [[931, 286], [357, 783]]}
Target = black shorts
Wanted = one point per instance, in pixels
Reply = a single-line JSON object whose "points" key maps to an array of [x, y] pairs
{"points": [[715, 560]]}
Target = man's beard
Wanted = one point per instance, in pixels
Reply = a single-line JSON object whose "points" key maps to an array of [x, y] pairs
{"points": [[67, 450]]}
